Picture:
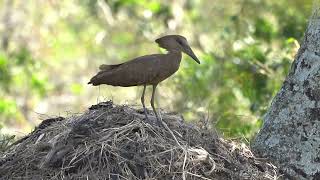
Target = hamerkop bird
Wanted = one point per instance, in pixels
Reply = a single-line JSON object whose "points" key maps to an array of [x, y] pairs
{"points": [[146, 70]]}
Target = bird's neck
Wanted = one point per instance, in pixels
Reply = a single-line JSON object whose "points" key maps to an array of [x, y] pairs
{"points": [[176, 55]]}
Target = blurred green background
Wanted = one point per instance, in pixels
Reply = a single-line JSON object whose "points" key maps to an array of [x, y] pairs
{"points": [[50, 49]]}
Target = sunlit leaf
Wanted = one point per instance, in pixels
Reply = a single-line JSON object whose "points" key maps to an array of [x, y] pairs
{"points": [[76, 88]]}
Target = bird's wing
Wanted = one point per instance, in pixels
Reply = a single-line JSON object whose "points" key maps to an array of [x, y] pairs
{"points": [[105, 67], [134, 72]]}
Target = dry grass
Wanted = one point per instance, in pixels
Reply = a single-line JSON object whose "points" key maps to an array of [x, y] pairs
{"points": [[114, 142]]}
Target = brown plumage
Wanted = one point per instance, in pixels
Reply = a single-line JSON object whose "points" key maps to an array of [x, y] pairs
{"points": [[146, 70]]}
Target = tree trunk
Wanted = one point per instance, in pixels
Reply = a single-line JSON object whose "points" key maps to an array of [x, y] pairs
{"points": [[290, 136]]}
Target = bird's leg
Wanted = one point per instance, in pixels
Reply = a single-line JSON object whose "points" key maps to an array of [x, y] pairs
{"points": [[142, 101], [152, 103]]}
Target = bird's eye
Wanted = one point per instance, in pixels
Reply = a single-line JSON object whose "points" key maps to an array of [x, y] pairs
{"points": [[179, 42]]}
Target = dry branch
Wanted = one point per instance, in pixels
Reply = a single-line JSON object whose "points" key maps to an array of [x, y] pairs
{"points": [[115, 142]]}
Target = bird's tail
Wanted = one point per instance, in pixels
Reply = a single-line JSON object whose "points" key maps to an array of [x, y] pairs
{"points": [[93, 81], [96, 80]]}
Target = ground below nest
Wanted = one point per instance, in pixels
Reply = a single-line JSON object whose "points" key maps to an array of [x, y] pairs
{"points": [[116, 142]]}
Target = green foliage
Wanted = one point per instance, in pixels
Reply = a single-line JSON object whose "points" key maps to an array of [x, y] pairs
{"points": [[38, 84], [4, 72], [238, 86], [264, 29], [8, 108], [245, 48], [76, 88]]}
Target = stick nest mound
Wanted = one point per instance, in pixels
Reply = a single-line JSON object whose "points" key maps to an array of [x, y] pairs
{"points": [[116, 142]]}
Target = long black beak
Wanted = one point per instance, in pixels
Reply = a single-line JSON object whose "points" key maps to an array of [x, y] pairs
{"points": [[189, 51]]}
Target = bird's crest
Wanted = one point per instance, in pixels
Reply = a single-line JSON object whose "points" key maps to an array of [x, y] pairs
{"points": [[105, 67]]}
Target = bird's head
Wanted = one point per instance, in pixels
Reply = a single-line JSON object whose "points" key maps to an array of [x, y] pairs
{"points": [[176, 43]]}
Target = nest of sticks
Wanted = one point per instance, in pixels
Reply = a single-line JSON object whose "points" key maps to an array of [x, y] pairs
{"points": [[116, 142]]}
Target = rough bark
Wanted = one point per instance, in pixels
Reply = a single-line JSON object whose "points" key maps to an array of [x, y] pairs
{"points": [[290, 136]]}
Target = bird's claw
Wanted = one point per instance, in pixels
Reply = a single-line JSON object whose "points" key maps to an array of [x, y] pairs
{"points": [[146, 117], [159, 122]]}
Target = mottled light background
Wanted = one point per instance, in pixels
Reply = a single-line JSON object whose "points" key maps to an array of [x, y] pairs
{"points": [[49, 49]]}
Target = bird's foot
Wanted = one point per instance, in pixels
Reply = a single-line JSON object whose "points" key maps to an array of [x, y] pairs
{"points": [[146, 117], [152, 118], [159, 122], [145, 112]]}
